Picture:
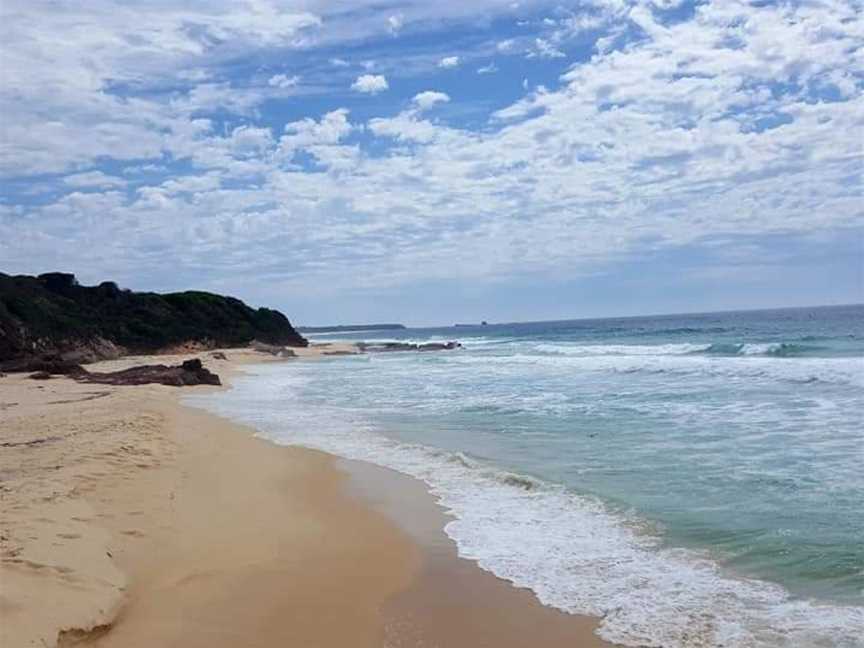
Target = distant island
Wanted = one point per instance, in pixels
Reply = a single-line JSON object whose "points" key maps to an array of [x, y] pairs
{"points": [[52, 314], [348, 327]]}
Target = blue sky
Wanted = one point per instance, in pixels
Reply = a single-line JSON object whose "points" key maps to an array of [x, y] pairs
{"points": [[431, 162]]}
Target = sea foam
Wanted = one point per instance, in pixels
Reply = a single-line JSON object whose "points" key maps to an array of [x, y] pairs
{"points": [[573, 551]]}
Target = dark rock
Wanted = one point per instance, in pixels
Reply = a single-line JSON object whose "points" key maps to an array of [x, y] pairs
{"points": [[191, 372], [439, 346], [218, 355], [49, 364], [192, 365], [379, 347]]}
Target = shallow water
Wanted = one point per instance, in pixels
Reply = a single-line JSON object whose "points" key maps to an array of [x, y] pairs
{"points": [[696, 480]]}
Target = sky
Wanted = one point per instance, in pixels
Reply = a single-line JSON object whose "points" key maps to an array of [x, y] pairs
{"points": [[437, 162]]}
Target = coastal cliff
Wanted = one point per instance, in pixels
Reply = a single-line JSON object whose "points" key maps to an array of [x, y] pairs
{"points": [[52, 314]]}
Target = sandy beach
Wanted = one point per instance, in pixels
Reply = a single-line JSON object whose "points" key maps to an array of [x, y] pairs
{"points": [[131, 520]]}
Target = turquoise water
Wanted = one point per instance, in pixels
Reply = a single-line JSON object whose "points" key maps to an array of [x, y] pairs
{"points": [[696, 480]]}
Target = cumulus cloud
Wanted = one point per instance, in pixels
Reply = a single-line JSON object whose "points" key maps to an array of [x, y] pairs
{"points": [[449, 62], [283, 81], [405, 127], [429, 98], [735, 120], [113, 45], [370, 83], [487, 69], [320, 138], [250, 140]]}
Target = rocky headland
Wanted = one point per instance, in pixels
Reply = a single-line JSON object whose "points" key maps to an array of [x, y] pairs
{"points": [[52, 318]]}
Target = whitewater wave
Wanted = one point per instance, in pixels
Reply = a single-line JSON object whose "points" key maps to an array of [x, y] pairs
{"points": [[775, 349], [587, 350], [574, 552], [772, 349], [840, 371]]}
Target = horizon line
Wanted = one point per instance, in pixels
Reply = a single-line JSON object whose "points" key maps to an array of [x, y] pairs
{"points": [[586, 319]]}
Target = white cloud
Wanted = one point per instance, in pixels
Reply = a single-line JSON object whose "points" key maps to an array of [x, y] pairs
{"points": [[395, 23], [544, 49], [206, 97], [449, 62], [429, 98], [96, 179], [283, 81], [405, 127], [313, 136], [110, 44], [487, 69], [667, 4], [370, 83], [339, 62], [668, 138], [207, 182], [250, 140]]}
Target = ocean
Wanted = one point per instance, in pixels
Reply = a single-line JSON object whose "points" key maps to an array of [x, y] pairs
{"points": [[692, 480]]}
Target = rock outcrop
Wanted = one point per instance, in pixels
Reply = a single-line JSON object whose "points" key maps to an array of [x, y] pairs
{"points": [[52, 314], [273, 349], [53, 365], [190, 372], [380, 347]]}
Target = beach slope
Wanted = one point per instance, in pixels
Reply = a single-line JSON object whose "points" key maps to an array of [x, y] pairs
{"points": [[130, 520]]}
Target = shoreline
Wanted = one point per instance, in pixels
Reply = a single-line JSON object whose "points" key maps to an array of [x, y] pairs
{"points": [[451, 601], [143, 521]]}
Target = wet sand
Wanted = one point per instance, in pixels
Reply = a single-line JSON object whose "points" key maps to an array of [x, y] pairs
{"points": [[451, 601]]}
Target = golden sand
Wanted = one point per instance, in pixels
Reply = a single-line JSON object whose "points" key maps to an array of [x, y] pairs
{"points": [[130, 520]]}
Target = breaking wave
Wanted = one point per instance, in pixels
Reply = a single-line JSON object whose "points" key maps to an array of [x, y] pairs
{"points": [[770, 349], [572, 550]]}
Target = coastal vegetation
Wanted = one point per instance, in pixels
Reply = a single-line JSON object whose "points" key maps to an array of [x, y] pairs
{"points": [[53, 314]]}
